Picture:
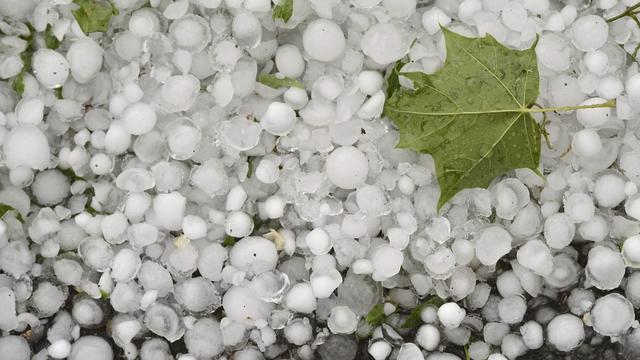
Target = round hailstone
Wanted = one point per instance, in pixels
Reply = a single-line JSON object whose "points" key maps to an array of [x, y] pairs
{"points": [[197, 295], [631, 251], [586, 143], [96, 253], [204, 340], [59, 349], [494, 242], [169, 209], [342, 320], [323, 40], [271, 285], [162, 320], [85, 59], [632, 87], [595, 117], [387, 261], [441, 263], [536, 256], [289, 61], [50, 68], [325, 282], [300, 298], [30, 111], [428, 336], [86, 312], [553, 52], [139, 118], [254, 254], [565, 332], [242, 304], [318, 241], [125, 266], [50, 187], [26, 145], [608, 190], [279, 119], [532, 334], [605, 268], [238, 224], [579, 207], [211, 261], [347, 167], [179, 92], [246, 29], [240, 133], [589, 32], [384, 43], [559, 231], [190, 32], [612, 315], [451, 315], [211, 178], [135, 180], [16, 347]]}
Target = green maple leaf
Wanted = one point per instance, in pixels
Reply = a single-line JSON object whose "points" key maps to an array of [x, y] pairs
{"points": [[415, 317], [93, 16], [375, 316], [283, 10], [277, 82], [474, 115]]}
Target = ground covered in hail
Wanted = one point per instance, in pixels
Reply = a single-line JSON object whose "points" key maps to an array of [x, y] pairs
{"points": [[222, 179]]}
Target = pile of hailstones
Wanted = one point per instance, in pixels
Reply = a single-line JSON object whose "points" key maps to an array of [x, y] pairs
{"points": [[169, 206]]}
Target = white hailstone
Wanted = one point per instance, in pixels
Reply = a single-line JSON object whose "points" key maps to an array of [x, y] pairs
{"points": [[162, 320], [589, 32], [409, 351], [274, 207], [428, 337], [429, 314], [179, 92], [512, 346], [595, 117], [536, 256], [141, 235], [238, 224], [50, 187], [440, 263], [467, 9], [508, 284], [373, 106], [296, 98], [579, 207], [279, 119], [342, 320], [324, 282], [21, 176], [236, 198], [597, 62], [197, 295], [632, 87], [15, 347], [211, 261], [300, 298], [509, 195], [50, 68], [254, 254], [96, 253], [631, 291], [438, 229], [86, 312], [113, 228], [605, 268], [463, 250], [204, 339], [47, 299], [126, 264], [433, 19], [631, 251], [595, 229], [632, 206], [289, 61], [493, 243], [100, 164], [612, 315], [190, 32], [210, 177], [267, 171], [511, 309], [8, 317], [169, 209], [139, 118], [370, 81], [532, 335], [143, 22], [559, 231], [514, 16], [371, 200], [586, 143], [125, 297], [298, 331], [553, 51], [362, 266], [494, 332], [610, 87], [59, 349], [565, 332], [384, 43], [30, 111], [347, 167], [318, 241], [85, 59], [26, 145], [380, 350], [451, 315], [398, 237], [386, 261], [323, 40], [117, 139], [609, 190], [194, 227]]}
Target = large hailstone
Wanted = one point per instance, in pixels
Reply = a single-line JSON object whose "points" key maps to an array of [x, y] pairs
{"points": [[26, 145], [85, 59]]}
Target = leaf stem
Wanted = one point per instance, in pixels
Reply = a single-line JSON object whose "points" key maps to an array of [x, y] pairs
{"points": [[628, 12], [608, 104]]}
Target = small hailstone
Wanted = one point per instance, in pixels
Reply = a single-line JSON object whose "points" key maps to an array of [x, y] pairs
{"points": [[347, 167], [139, 118], [300, 298], [318, 241], [565, 332], [323, 40], [387, 261], [30, 111], [194, 227], [59, 349], [595, 117], [451, 315], [371, 200], [493, 243], [255, 254], [384, 43], [610, 87], [380, 350], [632, 206], [26, 145], [342, 320], [605, 268], [631, 251], [409, 351], [512, 309], [433, 19], [553, 51], [589, 32], [612, 315], [586, 143], [85, 59], [596, 62], [289, 61], [536, 256], [126, 264], [559, 230], [279, 119], [579, 207], [325, 282], [428, 337], [267, 171], [170, 208], [50, 68], [532, 335]]}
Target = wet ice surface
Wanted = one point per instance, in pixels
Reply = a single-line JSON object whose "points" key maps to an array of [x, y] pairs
{"points": [[175, 207]]}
